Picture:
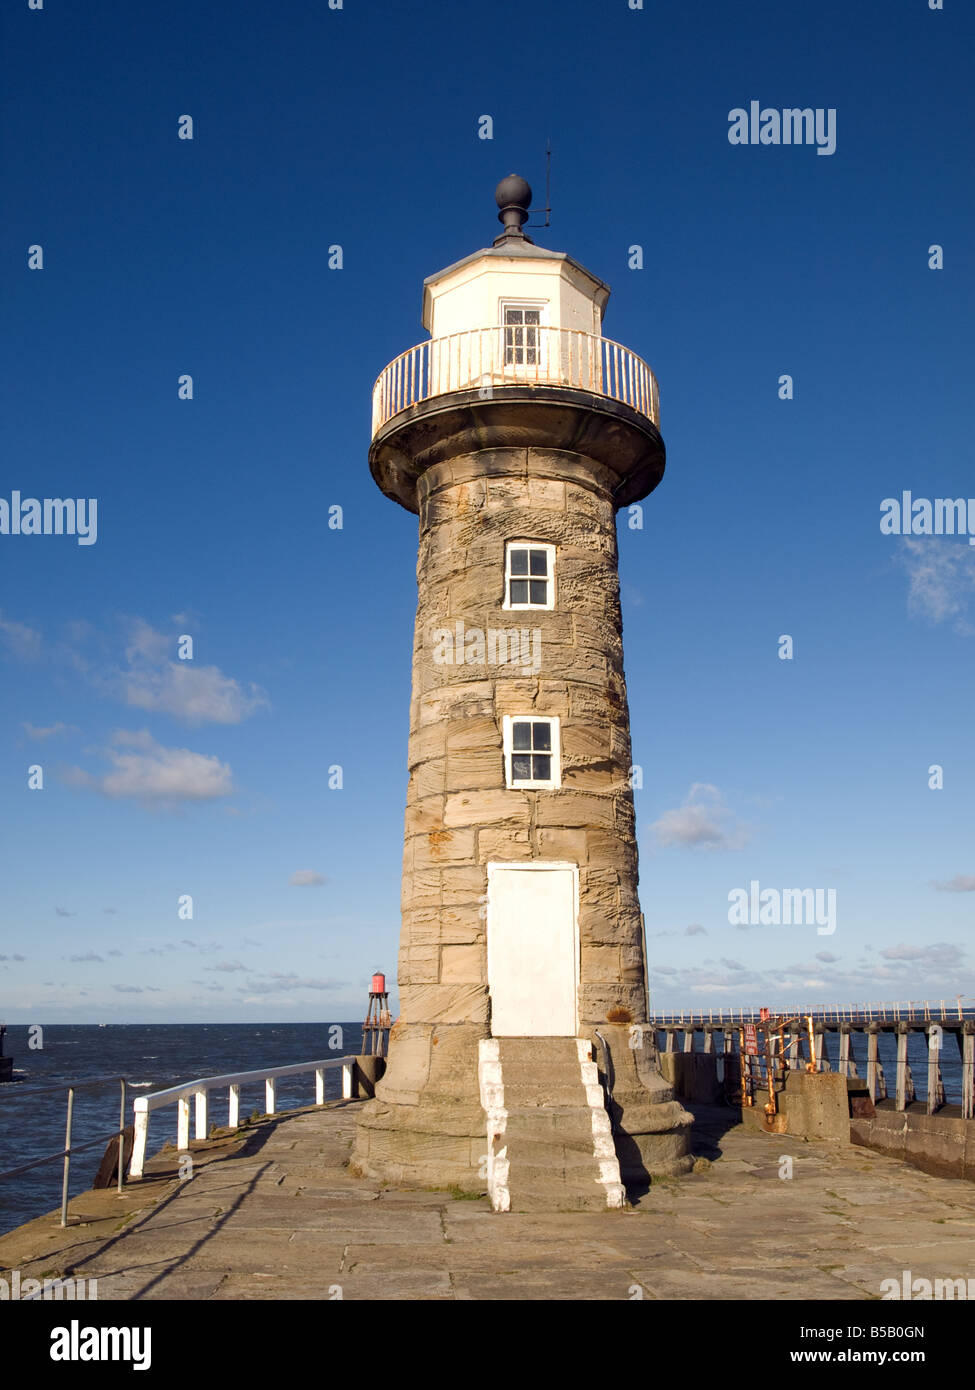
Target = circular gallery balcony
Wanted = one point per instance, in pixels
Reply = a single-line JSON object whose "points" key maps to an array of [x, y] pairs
{"points": [[514, 355]]}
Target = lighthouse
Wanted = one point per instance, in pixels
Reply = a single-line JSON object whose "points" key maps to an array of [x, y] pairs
{"points": [[522, 1061]]}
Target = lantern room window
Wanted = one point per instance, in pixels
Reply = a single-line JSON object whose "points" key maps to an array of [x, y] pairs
{"points": [[531, 751], [522, 325], [529, 575]]}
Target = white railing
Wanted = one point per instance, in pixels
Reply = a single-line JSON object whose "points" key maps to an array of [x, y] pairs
{"points": [[511, 355], [198, 1091], [918, 1011]]}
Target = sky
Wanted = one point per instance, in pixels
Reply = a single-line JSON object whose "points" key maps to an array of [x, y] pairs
{"points": [[214, 779]]}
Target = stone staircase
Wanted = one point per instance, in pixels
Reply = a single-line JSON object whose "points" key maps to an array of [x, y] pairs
{"points": [[550, 1144]]}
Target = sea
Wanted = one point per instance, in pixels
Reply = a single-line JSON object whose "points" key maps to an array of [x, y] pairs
{"points": [[151, 1057]]}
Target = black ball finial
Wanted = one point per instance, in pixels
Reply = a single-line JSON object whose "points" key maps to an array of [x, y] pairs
{"points": [[513, 191], [513, 196]]}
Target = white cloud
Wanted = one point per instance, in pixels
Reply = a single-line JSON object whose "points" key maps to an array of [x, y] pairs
{"points": [[276, 982], [306, 878], [40, 732], [702, 822], [939, 953], [961, 883], [145, 771], [932, 972], [22, 641], [195, 694], [155, 681], [146, 643], [942, 579]]}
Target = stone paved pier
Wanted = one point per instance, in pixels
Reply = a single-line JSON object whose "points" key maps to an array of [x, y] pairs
{"points": [[273, 1213]]}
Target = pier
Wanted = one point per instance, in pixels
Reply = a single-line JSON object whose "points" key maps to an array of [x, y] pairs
{"points": [[723, 1032], [823, 1072], [274, 1213], [856, 1185]]}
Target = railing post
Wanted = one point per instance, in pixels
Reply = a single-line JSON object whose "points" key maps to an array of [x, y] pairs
{"points": [[201, 1114], [936, 1091], [873, 1059], [183, 1123], [140, 1136], [967, 1043], [901, 1101], [67, 1159], [121, 1137], [320, 1086], [233, 1107], [347, 1080], [269, 1094]]}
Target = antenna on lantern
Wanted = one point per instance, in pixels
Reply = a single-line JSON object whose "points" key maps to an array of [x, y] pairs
{"points": [[548, 188]]}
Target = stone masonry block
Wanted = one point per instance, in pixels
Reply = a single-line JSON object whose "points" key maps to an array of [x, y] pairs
{"points": [[462, 884], [443, 846], [446, 1003], [502, 845], [487, 808], [464, 964], [475, 770]]}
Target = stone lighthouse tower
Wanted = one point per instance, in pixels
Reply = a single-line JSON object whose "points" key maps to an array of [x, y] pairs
{"points": [[521, 1060]]}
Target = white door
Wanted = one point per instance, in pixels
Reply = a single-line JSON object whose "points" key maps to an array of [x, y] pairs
{"points": [[533, 951]]}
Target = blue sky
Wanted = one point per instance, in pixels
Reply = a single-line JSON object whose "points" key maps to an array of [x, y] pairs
{"points": [[358, 127]]}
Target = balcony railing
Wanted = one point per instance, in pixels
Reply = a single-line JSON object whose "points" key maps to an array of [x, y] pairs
{"points": [[514, 355]]}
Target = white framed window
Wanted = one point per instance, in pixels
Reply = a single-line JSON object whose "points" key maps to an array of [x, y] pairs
{"points": [[529, 575], [531, 751], [523, 322]]}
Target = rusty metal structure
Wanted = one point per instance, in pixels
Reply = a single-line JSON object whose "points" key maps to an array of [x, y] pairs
{"points": [[765, 1056], [375, 1029]]}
